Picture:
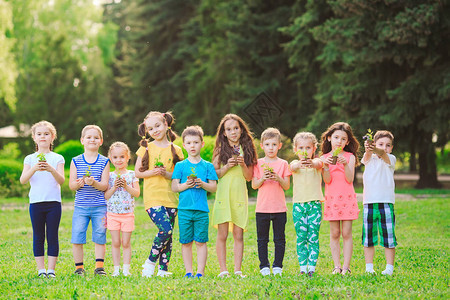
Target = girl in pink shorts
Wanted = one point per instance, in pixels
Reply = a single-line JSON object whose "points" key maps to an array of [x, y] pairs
{"points": [[123, 188]]}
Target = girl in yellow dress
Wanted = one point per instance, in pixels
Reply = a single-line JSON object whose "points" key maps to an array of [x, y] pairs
{"points": [[234, 157]]}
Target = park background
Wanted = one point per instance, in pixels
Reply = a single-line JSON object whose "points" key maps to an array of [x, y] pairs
{"points": [[295, 65]]}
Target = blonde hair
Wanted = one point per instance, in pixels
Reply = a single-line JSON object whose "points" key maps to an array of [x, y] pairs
{"points": [[304, 136], [87, 127], [270, 133], [119, 145], [50, 127]]}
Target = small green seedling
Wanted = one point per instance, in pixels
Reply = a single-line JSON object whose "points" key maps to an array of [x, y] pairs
{"points": [[369, 135], [337, 151], [303, 153], [158, 162], [193, 174], [88, 172], [267, 168], [41, 157]]}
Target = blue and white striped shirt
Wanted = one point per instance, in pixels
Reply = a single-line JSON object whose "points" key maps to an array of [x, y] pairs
{"points": [[88, 195]]}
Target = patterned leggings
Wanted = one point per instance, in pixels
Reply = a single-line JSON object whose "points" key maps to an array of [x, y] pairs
{"points": [[164, 219], [307, 217]]}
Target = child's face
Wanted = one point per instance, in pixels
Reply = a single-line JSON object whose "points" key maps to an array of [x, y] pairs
{"points": [[384, 143], [193, 145], [43, 137], [232, 131], [156, 127], [271, 147], [339, 138], [305, 145], [119, 157], [91, 140]]}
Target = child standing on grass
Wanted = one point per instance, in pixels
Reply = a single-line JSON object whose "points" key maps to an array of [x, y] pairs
{"points": [[89, 175], [341, 207], [44, 170], [192, 178], [379, 199], [155, 164], [307, 198], [123, 187], [271, 178], [233, 158]]}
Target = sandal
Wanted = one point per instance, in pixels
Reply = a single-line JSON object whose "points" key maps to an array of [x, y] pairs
{"points": [[346, 272], [100, 271], [336, 270], [239, 274], [224, 274]]}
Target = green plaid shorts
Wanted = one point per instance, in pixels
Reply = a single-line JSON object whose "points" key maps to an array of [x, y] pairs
{"points": [[379, 217]]}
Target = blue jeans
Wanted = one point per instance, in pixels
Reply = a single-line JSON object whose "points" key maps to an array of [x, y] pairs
{"points": [[80, 222], [45, 216]]}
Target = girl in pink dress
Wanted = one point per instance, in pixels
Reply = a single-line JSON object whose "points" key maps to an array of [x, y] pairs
{"points": [[340, 206]]}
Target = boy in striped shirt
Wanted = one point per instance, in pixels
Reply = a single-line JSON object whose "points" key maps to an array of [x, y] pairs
{"points": [[89, 175]]}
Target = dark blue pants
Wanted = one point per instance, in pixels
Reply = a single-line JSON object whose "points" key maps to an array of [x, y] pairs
{"points": [[45, 217], [262, 229]]}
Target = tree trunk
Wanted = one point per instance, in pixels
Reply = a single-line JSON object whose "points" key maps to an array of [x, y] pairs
{"points": [[427, 164], [412, 158]]}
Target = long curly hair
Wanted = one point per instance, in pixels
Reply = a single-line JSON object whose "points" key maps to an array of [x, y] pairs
{"points": [[223, 151], [171, 136], [352, 146]]}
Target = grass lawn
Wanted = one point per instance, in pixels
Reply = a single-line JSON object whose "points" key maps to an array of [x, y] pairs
{"points": [[421, 266]]}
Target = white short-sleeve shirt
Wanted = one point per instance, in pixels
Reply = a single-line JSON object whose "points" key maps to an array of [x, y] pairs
{"points": [[44, 187], [378, 180]]}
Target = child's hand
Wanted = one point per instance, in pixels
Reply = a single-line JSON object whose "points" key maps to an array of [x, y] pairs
{"points": [[89, 180], [118, 183], [368, 146], [190, 183], [80, 182], [42, 166], [231, 162], [162, 171], [199, 183], [342, 160], [305, 163], [240, 160], [268, 175], [328, 161]]}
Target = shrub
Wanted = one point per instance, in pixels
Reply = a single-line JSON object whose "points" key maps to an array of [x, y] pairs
{"points": [[207, 150], [10, 186], [69, 150]]}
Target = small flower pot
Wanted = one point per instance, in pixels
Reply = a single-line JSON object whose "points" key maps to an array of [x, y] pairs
{"points": [[193, 177], [334, 160]]}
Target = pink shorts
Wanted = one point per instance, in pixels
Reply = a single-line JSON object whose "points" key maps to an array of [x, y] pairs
{"points": [[122, 222]]}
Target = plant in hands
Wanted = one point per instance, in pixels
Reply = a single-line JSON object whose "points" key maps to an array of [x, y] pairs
{"points": [[237, 150], [368, 136], [158, 162], [335, 154], [88, 172], [193, 175], [41, 157]]}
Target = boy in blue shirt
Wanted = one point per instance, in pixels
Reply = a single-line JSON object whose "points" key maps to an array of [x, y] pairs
{"points": [[192, 178]]}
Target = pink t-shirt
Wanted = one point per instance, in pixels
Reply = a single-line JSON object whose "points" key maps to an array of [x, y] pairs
{"points": [[271, 197]]}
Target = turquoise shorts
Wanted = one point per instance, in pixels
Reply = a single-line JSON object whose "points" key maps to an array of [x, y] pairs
{"points": [[193, 225]]}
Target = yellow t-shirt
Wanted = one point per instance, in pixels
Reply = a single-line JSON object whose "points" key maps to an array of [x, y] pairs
{"points": [[157, 189], [307, 185]]}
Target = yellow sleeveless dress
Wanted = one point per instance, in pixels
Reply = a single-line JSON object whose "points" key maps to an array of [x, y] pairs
{"points": [[231, 203]]}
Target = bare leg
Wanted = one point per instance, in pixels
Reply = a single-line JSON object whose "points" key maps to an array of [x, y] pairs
{"points": [[40, 261], [238, 236], [348, 243], [115, 247], [221, 246], [389, 253], [186, 251], [202, 255], [100, 251], [52, 262], [369, 253], [77, 250], [335, 235], [126, 246]]}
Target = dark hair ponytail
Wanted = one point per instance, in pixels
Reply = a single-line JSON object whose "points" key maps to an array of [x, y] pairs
{"points": [[172, 136], [143, 143]]}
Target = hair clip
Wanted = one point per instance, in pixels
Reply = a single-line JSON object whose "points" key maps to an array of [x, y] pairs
{"points": [[143, 137], [164, 115], [168, 127]]}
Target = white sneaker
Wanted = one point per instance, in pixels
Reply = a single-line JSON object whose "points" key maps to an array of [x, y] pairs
{"points": [[265, 271], [148, 270], [277, 271], [162, 273], [126, 273], [387, 272], [115, 273]]}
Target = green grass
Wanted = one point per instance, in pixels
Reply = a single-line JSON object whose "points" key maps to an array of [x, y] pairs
{"points": [[421, 267]]}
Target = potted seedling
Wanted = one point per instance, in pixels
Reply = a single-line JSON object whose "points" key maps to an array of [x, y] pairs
{"points": [[158, 162], [88, 172], [236, 151], [335, 154], [193, 175], [41, 157], [267, 168], [304, 155], [369, 138]]}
